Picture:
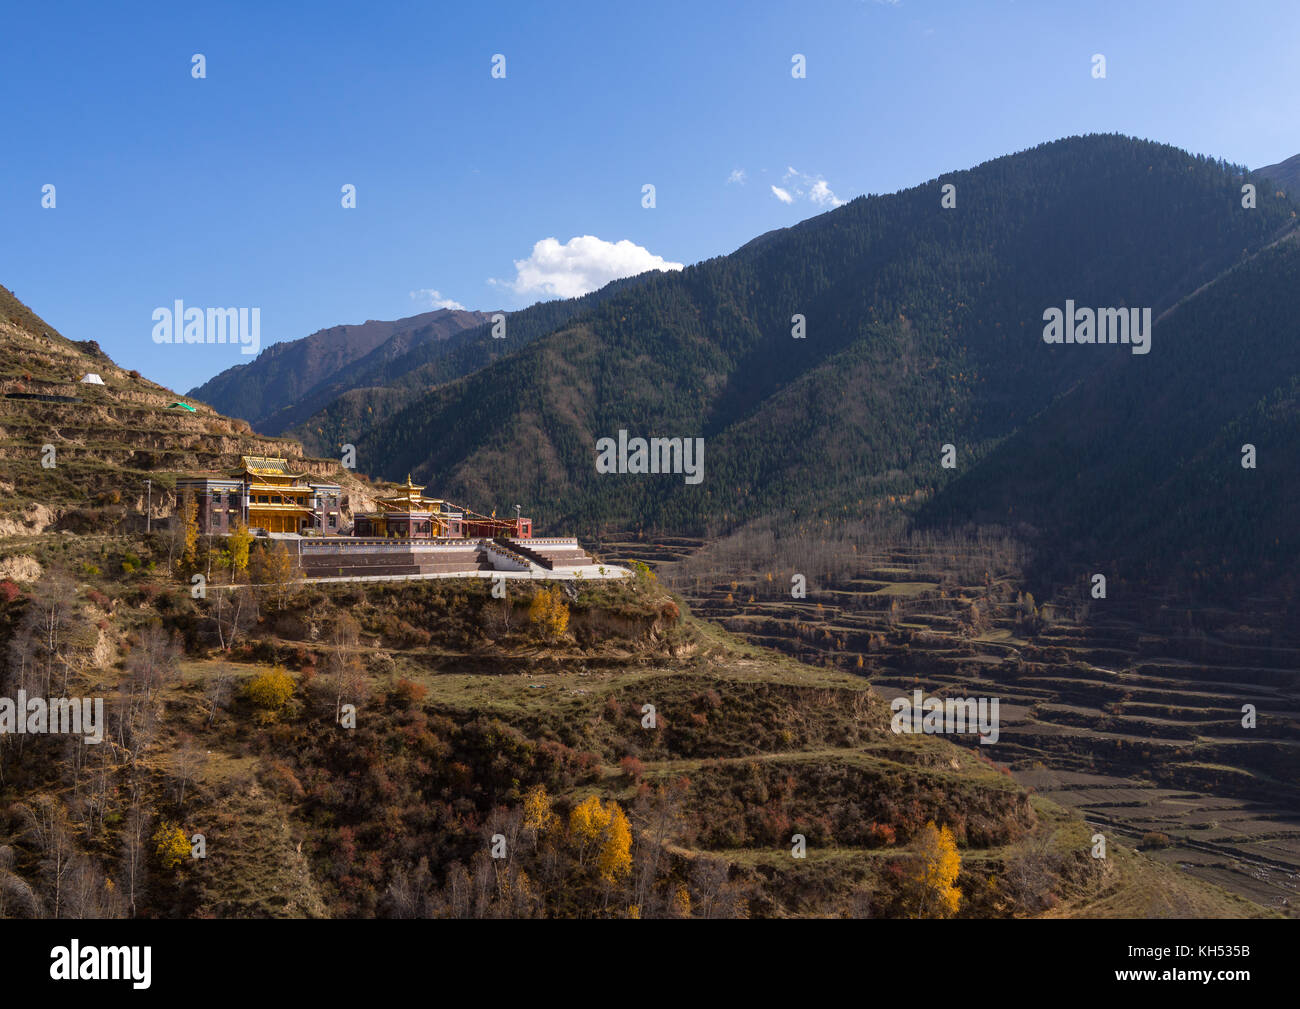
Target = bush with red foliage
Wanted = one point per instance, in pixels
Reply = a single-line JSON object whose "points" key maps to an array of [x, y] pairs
{"points": [[632, 769], [408, 694], [880, 835], [9, 592]]}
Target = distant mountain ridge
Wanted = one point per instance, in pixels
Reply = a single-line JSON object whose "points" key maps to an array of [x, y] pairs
{"points": [[287, 374]]}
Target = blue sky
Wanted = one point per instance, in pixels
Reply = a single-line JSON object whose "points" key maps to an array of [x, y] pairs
{"points": [[225, 191]]}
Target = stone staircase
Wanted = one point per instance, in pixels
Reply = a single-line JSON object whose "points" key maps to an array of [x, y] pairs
{"points": [[551, 553]]}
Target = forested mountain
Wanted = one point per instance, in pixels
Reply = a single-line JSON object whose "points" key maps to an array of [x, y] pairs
{"points": [[924, 328], [1140, 469], [287, 374], [1285, 173]]}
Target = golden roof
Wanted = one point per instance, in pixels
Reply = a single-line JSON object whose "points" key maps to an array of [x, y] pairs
{"points": [[262, 465]]}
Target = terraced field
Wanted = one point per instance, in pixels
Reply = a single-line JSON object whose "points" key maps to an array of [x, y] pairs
{"points": [[1129, 710]]}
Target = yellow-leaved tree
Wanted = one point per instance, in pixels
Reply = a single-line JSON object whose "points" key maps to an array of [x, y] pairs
{"points": [[549, 613], [937, 867], [237, 545], [539, 820], [602, 828], [190, 523], [615, 858], [587, 823]]}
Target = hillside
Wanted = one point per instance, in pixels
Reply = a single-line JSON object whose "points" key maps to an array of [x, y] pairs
{"points": [[293, 373], [108, 439], [476, 722], [924, 327]]}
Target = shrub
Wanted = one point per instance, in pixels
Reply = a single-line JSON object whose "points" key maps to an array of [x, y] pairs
{"points": [[9, 591], [880, 835], [1155, 839], [170, 845], [408, 694]]}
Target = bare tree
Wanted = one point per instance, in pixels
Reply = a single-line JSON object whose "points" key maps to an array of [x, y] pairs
{"points": [[218, 694], [658, 817], [235, 611], [277, 571], [46, 633], [346, 676], [47, 828], [17, 898], [155, 661], [135, 835], [715, 895], [89, 893], [187, 764]]}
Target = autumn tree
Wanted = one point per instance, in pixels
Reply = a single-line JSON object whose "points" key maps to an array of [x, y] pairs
{"points": [[238, 544], [615, 858], [602, 829], [936, 866], [539, 820], [549, 613]]}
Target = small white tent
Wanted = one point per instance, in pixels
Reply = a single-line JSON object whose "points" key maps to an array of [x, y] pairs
{"points": [[92, 379]]}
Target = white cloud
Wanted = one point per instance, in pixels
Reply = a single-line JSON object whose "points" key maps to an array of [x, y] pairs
{"points": [[737, 176], [434, 299], [581, 265], [821, 195], [814, 187], [782, 195]]}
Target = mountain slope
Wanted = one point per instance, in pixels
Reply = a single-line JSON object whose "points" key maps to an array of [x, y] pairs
{"points": [[1284, 173], [286, 373], [924, 327], [1140, 469]]}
